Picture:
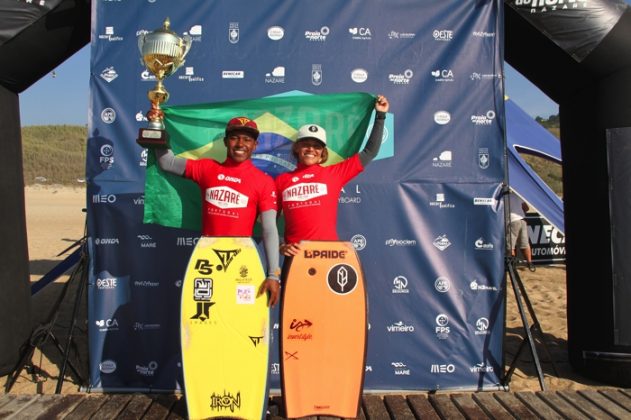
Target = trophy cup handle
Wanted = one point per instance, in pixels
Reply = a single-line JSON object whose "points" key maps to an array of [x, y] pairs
{"points": [[141, 42]]}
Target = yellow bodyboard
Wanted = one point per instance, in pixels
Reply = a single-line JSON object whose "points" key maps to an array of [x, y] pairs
{"points": [[224, 330]]}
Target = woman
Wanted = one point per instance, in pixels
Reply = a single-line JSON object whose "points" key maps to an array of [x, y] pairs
{"points": [[309, 195]]}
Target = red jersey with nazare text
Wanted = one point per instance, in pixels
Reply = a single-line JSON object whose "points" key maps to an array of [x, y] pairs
{"points": [[309, 199], [232, 195]]}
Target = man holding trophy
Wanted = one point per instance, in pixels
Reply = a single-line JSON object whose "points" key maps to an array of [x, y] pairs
{"points": [[163, 53], [224, 319]]}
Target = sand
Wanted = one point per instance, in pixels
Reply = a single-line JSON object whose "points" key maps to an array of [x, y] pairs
{"points": [[55, 221]]}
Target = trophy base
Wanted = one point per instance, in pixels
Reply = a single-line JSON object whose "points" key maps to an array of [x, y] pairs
{"points": [[152, 138]]}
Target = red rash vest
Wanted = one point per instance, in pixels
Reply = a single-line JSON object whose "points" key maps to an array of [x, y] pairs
{"points": [[232, 195], [309, 199]]}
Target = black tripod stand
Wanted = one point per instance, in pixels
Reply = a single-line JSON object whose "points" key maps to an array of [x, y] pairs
{"points": [[521, 297], [43, 332]]}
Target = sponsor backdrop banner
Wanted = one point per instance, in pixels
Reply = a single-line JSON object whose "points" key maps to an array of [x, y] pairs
{"points": [[425, 217]]}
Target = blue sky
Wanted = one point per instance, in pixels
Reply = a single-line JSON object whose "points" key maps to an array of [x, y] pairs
{"points": [[63, 99]]}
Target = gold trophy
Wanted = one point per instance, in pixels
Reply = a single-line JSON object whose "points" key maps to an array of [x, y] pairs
{"points": [[163, 52]]}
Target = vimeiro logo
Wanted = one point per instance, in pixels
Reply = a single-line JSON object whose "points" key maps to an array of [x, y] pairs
{"points": [[324, 254]]}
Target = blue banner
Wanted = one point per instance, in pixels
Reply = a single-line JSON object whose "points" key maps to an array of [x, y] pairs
{"points": [[425, 217]]}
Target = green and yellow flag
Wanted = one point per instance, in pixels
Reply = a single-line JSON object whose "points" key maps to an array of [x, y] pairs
{"points": [[197, 131]]}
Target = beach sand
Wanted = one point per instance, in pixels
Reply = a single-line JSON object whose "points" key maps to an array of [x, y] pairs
{"points": [[55, 221]]}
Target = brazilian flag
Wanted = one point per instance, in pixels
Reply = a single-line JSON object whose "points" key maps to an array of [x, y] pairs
{"points": [[197, 131]]}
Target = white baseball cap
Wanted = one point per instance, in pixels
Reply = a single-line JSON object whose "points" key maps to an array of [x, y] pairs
{"points": [[311, 131]]}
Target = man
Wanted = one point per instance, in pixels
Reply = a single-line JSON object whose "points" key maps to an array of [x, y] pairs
{"points": [[517, 230], [234, 193]]}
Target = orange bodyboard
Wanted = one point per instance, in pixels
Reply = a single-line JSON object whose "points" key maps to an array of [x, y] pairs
{"points": [[323, 331]]}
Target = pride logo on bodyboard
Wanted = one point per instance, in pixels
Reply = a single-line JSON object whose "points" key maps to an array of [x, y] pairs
{"points": [[224, 331]]}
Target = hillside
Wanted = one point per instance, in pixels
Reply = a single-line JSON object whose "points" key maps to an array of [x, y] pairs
{"points": [[54, 154]]}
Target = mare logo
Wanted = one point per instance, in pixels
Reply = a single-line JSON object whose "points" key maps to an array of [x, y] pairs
{"points": [[146, 241], [324, 254], [342, 278], [442, 242], [450, 368], [482, 326], [400, 368], [256, 340], [400, 284], [233, 32], [225, 402], [483, 158], [226, 256]]}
